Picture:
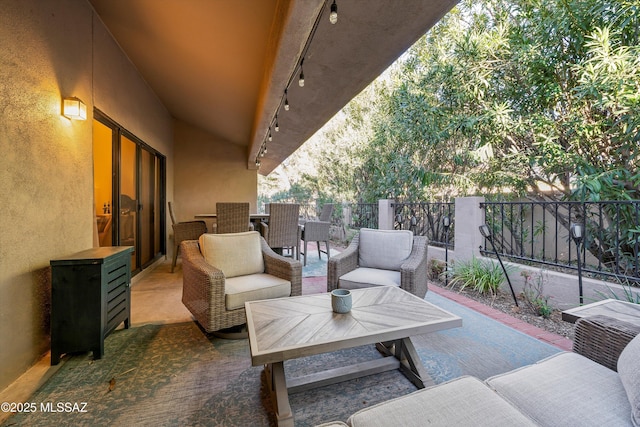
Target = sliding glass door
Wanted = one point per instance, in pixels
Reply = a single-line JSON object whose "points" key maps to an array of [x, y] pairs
{"points": [[129, 192]]}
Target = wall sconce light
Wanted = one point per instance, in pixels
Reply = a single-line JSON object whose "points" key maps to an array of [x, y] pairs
{"points": [[74, 109]]}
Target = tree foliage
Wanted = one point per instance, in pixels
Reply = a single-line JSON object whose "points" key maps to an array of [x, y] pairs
{"points": [[521, 95]]}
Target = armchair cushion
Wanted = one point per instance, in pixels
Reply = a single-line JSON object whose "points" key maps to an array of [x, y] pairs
{"points": [[366, 277], [629, 371], [240, 289], [236, 254], [384, 249]]}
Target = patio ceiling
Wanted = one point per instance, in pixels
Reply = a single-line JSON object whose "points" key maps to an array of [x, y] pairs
{"points": [[223, 65]]}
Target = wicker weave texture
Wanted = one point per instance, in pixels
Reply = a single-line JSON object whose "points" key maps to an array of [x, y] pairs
{"points": [[413, 272], [203, 286], [187, 230], [316, 231], [602, 339], [232, 217], [282, 231]]}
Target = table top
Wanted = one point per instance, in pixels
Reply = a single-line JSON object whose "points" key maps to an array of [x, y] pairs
{"points": [[253, 216], [617, 309], [286, 328]]}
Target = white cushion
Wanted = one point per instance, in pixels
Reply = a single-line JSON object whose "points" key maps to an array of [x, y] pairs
{"points": [[566, 389], [236, 254], [386, 249], [629, 371], [366, 277], [465, 401], [241, 289]]}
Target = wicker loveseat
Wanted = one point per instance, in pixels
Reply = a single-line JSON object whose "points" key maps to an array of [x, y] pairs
{"points": [[598, 384], [216, 299]]}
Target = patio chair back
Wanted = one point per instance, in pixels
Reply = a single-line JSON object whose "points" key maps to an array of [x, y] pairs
{"points": [[327, 210], [282, 230], [232, 217]]}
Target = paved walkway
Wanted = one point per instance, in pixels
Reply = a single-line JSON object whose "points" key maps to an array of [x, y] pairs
{"points": [[515, 323]]}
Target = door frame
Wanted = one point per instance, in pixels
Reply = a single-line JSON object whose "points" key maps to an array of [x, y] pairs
{"points": [[118, 132]]}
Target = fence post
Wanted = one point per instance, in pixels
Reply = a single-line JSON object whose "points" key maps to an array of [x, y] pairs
{"points": [[385, 214], [346, 214], [468, 219]]}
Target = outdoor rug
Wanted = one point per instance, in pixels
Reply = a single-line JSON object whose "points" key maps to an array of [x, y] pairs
{"points": [[316, 266], [176, 375]]}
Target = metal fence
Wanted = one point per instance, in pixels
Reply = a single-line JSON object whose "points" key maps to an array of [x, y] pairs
{"points": [[539, 233], [427, 219], [362, 215]]}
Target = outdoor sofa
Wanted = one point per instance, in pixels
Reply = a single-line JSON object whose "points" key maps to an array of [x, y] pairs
{"points": [[598, 384]]}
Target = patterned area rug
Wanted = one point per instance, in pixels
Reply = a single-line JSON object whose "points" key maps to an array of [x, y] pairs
{"points": [[316, 266], [176, 375]]}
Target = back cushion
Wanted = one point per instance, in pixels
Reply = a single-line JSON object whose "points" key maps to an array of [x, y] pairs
{"points": [[385, 249], [236, 254], [629, 371]]}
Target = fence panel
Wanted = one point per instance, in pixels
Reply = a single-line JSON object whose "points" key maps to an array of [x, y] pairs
{"points": [[539, 233], [427, 219]]}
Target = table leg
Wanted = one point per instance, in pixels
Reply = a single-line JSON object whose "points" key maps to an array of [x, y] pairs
{"points": [[279, 395], [411, 365]]}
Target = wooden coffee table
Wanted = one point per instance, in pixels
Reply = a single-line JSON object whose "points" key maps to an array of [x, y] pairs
{"points": [[288, 328]]}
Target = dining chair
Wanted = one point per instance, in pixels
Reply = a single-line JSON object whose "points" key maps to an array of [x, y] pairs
{"points": [[232, 217], [318, 231], [186, 230], [282, 230]]}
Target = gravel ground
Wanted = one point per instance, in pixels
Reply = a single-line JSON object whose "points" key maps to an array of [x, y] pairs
{"points": [[504, 302]]}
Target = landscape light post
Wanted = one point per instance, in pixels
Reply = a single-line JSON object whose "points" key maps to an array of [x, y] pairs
{"points": [[577, 235], [484, 230], [446, 222]]}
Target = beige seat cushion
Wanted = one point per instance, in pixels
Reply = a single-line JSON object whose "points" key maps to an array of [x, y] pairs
{"points": [[385, 249], [236, 254], [566, 389], [366, 277], [241, 289], [465, 401]]}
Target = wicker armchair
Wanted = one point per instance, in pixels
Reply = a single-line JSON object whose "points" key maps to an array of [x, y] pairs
{"points": [[203, 285], [232, 217], [187, 230], [282, 231], [412, 271]]}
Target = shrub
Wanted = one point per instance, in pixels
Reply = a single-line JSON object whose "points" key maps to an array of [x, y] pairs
{"points": [[482, 276], [631, 293], [436, 268], [533, 293]]}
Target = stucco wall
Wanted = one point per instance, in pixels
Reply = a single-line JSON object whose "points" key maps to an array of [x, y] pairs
{"points": [[47, 51], [208, 170]]}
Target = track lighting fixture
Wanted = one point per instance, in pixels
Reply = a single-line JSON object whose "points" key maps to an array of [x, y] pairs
{"points": [[286, 101], [333, 16], [270, 137], [301, 79], [277, 128]]}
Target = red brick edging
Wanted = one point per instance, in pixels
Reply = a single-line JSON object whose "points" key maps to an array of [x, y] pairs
{"points": [[513, 322]]}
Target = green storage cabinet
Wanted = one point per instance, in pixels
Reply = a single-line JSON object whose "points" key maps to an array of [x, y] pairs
{"points": [[90, 297]]}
